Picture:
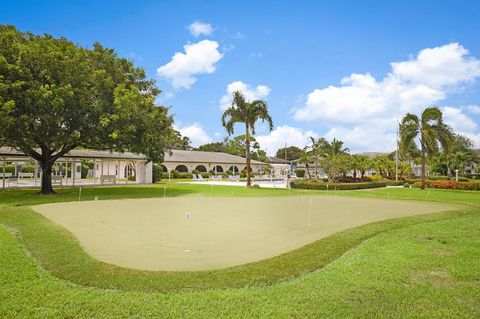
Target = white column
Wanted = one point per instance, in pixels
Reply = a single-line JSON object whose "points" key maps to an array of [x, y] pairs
{"points": [[74, 171], [36, 175], [3, 171], [101, 172]]}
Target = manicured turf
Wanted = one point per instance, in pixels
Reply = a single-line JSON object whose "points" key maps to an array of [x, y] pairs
{"points": [[424, 270], [220, 232]]}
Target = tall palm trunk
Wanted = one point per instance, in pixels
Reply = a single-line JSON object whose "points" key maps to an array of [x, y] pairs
{"points": [[247, 143], [423, 165], [449, 170]]}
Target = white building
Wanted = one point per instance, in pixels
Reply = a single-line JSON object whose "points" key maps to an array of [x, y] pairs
{"points": [[187, 161]]}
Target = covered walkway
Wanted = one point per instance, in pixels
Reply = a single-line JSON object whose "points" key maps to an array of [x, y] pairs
{"points": [[76, 168]]}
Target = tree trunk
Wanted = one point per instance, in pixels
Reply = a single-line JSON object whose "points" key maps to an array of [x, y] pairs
{"points": [[423, 167], [247, 143], [47, 187], [355, 173], [449, 170]]}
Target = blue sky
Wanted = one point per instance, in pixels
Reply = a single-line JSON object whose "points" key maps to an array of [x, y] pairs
{"points": [[294, 54]]}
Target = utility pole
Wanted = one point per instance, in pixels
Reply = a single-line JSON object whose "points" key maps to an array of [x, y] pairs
{"points": [[285, 151]]}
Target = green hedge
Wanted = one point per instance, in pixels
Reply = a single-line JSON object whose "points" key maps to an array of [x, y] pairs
{"points": [[308, 184], [300, 173]]}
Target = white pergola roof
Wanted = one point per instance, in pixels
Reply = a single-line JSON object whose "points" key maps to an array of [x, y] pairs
{"points": [[8, 153]]}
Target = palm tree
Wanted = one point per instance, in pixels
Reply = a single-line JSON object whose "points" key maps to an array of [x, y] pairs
{"points": [[334, 148], [364, 163], [455, 146], [333, 162], [306, 158], [430, 130], [317, 147], [248, 113]]}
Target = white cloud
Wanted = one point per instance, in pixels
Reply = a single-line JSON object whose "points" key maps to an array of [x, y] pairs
{"points": [[277, 138], [251, 93], [363, 111], [198, 28], [458, 120], [461, 123], [475, 109], [199, 58], [195, 133]]}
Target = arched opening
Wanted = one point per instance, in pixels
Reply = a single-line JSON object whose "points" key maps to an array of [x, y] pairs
{"points": [[129, 171], [182, 169], [234, 170], [164, 168], [218, 169], [251, 169], [201, 169]]}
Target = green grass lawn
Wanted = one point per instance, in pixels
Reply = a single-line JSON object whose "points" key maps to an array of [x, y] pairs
{"points": [[426, 266]]}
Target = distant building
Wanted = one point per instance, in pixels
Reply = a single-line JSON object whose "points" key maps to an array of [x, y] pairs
{"points": [[187, 161]]}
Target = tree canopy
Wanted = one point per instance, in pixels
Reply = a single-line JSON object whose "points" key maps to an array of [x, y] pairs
{"points": [[293, 153], [56, 96]]}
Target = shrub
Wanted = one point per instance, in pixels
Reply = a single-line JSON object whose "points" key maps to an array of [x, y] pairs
{"points": [[406, 185], [243, 173], [473, 186], [300, 173], [175, 174], [229, 172], [156, 173], [438, 178], [312, 184], [28, 168], [195, 171], [461, 179]]}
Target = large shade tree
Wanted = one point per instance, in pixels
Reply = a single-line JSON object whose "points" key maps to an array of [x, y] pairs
{"points": [[56, 96], [248, 113], [289, 153], [429, 129]]}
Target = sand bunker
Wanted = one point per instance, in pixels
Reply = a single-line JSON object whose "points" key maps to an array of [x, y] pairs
{"points": [[198, 233]]}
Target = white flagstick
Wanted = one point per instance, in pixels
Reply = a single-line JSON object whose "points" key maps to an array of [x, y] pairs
{"points": [[187, 233], [428, 195]]}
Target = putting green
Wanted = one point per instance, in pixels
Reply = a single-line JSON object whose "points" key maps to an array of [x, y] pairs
{"points": [[219, 232]]}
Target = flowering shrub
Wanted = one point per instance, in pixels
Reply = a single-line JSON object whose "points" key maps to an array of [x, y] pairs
{"points": [[472, 186]]}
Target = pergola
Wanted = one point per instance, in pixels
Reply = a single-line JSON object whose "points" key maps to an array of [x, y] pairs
{"points": [[73, 161]]}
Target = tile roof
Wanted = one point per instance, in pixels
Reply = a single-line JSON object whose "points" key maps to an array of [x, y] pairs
{"points": [[205, 157]]}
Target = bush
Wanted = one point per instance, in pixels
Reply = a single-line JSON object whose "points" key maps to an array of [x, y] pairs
{"points": [[438, 178], [461, 179], [313, 184], [473, 186], [300, 173], [174, 173], [243, 173], [156, 173], [229, 172], [28, 168], [195, 171], [406, 185]]}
